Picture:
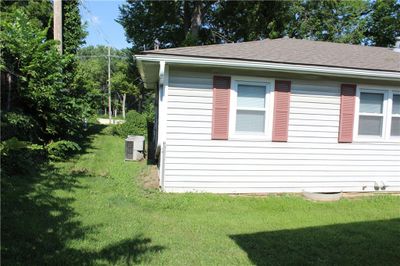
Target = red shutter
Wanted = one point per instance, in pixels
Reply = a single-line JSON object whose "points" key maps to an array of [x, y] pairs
{"points": [[281, 110], [347, 109], [220, 115]]}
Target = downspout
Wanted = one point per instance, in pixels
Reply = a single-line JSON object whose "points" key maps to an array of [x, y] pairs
{"points": [[162, 111], [162, 165], [161, 104]]}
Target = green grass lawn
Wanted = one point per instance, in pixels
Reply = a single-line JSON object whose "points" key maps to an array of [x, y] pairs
{"points": [[93, 211]]}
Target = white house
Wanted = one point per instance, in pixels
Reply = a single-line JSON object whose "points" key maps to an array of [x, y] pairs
{"points": [[281, 115]]}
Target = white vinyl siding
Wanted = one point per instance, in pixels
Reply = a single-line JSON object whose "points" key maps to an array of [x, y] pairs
{"points": [[311, 160]]}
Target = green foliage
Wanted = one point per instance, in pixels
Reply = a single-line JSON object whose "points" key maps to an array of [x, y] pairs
{"points": [[355, 21], [73, 31], [45, 101], [162, 20], [38, 64], [60, 150], [121, 80], [220, 21], [135, 124], [92, 68], [42, 100], [11, 144], [248, 20], [149, 110], [384, 22], [18, 124], [39, 12], [331, 20], [20, 157], [109, 130]]}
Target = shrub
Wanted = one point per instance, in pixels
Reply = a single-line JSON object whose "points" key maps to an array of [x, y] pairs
{"points": [[61, 149], [109, 130], [135, 124], [20, 157]]}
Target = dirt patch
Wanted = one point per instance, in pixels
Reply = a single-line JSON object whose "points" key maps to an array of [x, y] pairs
{"points": [[149, 177]]}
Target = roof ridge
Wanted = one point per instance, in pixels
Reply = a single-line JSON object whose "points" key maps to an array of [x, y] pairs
{"points": [[266, 40], [337, 43], [203, 45]]}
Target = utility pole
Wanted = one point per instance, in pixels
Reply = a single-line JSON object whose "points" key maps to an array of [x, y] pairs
{"points": [[57, 27], [109, 84]]}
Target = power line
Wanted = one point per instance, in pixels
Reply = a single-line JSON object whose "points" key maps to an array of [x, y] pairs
{"points": [[105, 56], [96, 26]]}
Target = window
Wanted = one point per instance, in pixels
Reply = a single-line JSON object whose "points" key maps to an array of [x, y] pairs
{"points": [[395, 124], [371, 114], [250, 108], [250, 112], [378, 114]]}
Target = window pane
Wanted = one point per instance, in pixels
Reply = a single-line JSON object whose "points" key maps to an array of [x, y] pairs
{"points": [[371, 102], [396, 104], [251, 96], [395, 130], [370, 125], [250, 121]]}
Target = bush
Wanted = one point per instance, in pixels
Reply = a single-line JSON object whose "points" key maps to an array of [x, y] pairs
{"points": [[109, 130], [135, 124], [61, 149], [20, 157]]}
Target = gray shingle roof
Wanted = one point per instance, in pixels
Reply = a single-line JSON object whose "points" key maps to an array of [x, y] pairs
{"points": [[295, 51]]}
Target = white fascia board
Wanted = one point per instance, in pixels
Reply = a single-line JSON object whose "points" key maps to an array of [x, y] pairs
{"points": [[289, 68]]}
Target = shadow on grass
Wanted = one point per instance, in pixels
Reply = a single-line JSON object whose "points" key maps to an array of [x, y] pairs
{"points": [[85, 140], [362, 243], [136, 250], [127, 252], [37, 224]]}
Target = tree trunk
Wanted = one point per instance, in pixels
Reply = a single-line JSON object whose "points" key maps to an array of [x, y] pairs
{"points": [[123, 105], [186, 17], [196, 20], [109, 85], [140, 101]]}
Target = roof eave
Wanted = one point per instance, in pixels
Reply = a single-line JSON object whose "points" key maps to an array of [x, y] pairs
{"points": [[282, 67]]}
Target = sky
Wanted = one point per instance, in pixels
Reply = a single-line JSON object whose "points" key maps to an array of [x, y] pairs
{"points": [[100, 16]]}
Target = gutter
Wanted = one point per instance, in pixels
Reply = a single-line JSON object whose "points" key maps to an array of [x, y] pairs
{"points": [[288, 68]]}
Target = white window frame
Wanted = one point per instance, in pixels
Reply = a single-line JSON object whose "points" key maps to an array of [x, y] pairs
{"points": [[268, 83], [386, 113]]}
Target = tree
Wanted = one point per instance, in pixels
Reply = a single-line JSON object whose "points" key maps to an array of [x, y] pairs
{"points": [[182, 23], [73, 30], [122, 85], [173, 23], [331, 20], [45, 101], [384, 22], [93, 66], [248, 20]]}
